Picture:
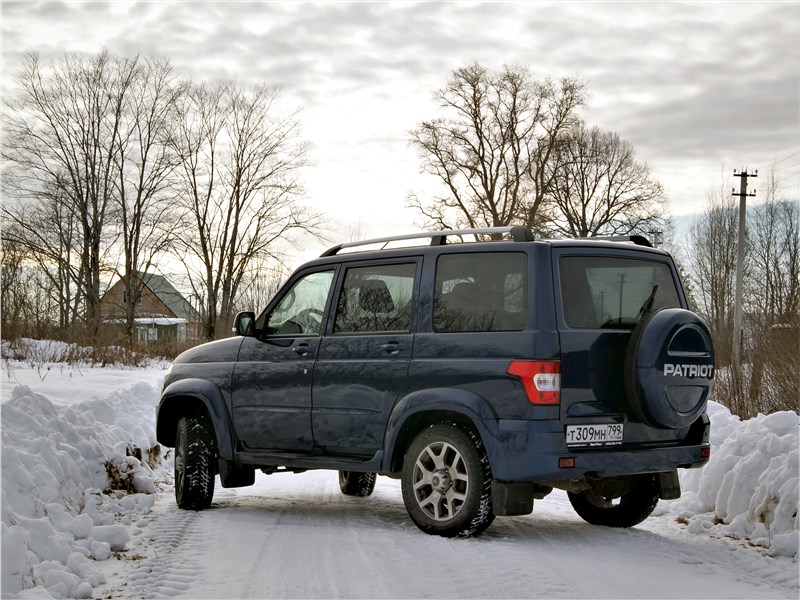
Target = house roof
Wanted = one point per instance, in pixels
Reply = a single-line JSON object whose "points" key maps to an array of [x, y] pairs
{"points": [[171, 297]]}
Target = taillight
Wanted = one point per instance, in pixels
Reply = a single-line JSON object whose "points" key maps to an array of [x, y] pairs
{"points": [[540, 378]]}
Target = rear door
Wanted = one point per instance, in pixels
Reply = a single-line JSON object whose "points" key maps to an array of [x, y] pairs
{"points": [[363, 363], [602, 298]]}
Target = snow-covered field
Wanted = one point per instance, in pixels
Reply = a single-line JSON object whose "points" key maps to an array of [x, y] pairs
{"points": [[68, 432]]}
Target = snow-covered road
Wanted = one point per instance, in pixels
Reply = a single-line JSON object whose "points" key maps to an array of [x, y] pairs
{"points": [[296, 536]]}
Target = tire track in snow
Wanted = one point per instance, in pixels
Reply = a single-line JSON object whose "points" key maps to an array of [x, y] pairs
{"points": [[170, 571]]}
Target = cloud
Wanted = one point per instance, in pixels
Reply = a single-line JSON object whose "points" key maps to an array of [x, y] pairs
{"points": [[689, 84]]}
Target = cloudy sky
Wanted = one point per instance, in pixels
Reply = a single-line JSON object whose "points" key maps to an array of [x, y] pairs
{"points": [[699, 88]]}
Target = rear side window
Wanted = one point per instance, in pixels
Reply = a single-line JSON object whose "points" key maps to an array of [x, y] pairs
{"points": [[609, 292], [376, 299], [481, 292]]}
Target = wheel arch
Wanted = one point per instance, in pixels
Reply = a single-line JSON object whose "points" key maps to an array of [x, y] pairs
{"points": [[193, 397], [420, 410]]}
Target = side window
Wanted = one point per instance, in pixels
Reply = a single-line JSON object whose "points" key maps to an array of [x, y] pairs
{"points": [[481, 292], [302, 308], [376, 299], [611, 292]]}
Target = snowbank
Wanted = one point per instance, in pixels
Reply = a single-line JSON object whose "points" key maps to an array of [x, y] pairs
{"points": [[61, 467], [749, 488]]}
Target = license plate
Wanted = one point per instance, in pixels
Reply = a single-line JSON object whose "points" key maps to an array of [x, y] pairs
{"points": [[606, 434]]}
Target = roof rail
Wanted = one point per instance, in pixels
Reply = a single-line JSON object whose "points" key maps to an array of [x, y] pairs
{"points": [[639, 240], [438, 238]]}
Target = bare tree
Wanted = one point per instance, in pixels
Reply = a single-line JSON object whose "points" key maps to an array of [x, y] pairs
{"points": [[774, 236], [773, 303], [29, 306], [489, 149], [146, 161], [13, 291], [240, 160], [768, 380], [600, 188], [260, 283], [713, 239], [63, 130], [46, 230]]}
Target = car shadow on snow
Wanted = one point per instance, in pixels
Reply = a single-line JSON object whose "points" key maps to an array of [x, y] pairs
{"points": [[553, 522]]}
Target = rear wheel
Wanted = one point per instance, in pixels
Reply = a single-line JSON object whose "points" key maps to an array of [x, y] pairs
{"points": [[619, 502], [446, 482], [195, 452], [357, 484]]}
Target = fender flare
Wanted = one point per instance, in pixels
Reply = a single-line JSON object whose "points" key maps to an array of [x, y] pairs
{"points": [[210, 396], [465, 403]]}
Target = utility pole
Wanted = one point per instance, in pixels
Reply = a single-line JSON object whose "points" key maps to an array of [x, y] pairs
{"points": [[737, 307]]}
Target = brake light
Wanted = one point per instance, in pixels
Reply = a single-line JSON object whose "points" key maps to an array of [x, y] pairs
{"points": [[540, 378]]}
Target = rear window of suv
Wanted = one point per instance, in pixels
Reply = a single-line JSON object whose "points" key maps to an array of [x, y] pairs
{"points": [[481, 292], [611, 292]]}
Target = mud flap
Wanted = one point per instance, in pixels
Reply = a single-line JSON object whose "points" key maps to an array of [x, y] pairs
{"points": [[511, 499], [669, 486], [233, 474]]}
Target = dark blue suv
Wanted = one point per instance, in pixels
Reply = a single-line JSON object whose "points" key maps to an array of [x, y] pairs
{"points": [[483, 374]]}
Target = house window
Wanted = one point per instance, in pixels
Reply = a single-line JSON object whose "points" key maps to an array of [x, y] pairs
{"points": [[147, 334]]}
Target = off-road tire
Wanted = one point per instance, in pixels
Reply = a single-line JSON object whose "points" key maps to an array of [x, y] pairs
{"points": [[195, 456], [447, 482], [357, 484], [626, 510]]}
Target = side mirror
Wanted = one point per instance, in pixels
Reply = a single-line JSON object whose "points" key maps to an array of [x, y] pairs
{"points": [[244, 323]]}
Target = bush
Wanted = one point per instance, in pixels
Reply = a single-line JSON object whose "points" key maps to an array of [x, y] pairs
{"points": [[768, 380]]}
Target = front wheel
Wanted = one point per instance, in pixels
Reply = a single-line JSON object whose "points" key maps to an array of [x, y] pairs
{"points": [[195, 452], [621, 502], [446, 482]]}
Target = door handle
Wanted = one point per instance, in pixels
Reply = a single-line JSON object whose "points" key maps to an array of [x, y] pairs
{"points": [[303, 349], [394, 347]]}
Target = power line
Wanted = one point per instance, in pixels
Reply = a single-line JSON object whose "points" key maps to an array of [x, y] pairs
{"points": [[782, 179], [777, 162]]}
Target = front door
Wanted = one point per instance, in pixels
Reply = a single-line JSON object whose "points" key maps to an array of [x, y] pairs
{"points": [[271, 401]]}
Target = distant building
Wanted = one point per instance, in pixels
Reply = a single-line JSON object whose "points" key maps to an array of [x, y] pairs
{"points": [[161, 310]]}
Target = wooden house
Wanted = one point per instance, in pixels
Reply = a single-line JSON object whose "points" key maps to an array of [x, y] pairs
{"points": [[161, 310]]}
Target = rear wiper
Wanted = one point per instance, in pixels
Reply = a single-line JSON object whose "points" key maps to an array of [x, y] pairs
{"points": [[648, 304]]}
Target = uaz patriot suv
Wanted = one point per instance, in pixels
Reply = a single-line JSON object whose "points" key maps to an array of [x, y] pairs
{"points": [[483, 374]]}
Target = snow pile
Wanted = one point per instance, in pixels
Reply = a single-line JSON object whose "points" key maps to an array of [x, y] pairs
{"points": [[67, 472], [749, 488]]}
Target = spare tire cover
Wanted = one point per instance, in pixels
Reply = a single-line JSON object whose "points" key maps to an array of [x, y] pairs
{"points": [[669, 368]]}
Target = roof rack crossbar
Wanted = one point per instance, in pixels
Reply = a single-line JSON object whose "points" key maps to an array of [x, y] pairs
{"points": [[639, 240], [438, 238]]}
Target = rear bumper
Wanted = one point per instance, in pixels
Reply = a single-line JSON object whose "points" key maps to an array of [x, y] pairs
{"points": [[530, 451]]}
